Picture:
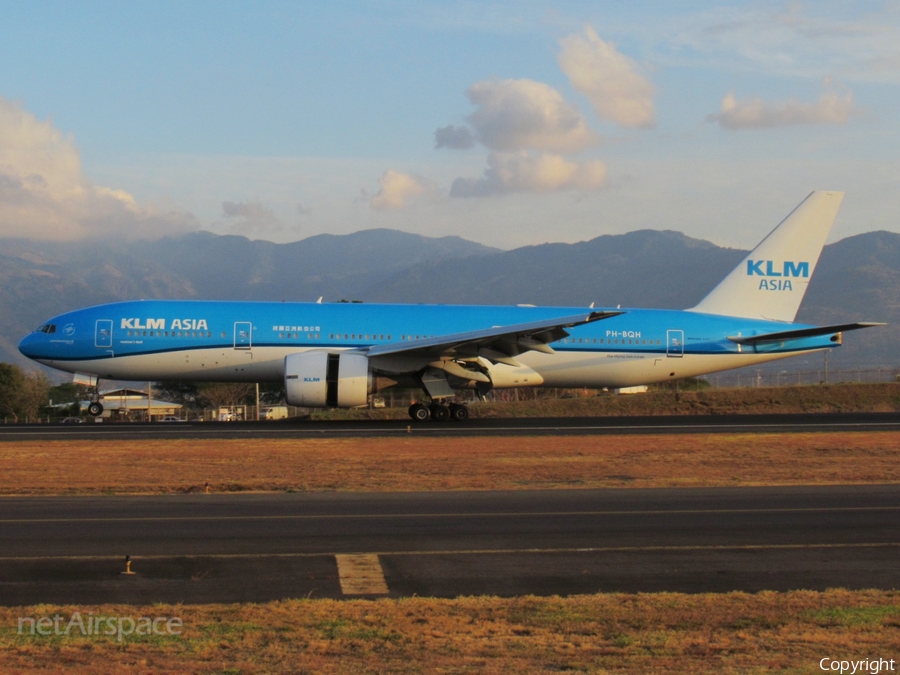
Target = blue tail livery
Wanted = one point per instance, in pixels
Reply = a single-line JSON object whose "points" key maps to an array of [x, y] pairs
{"points": [[338, 354]]}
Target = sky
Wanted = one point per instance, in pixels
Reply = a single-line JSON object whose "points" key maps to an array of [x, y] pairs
{"points": [[506, 123]]}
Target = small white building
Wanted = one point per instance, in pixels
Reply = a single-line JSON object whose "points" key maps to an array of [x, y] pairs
{"points": [[640, 389]]}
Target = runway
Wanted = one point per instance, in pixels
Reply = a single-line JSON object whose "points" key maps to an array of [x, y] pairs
{"points": [[238, 548], [556, 426]]}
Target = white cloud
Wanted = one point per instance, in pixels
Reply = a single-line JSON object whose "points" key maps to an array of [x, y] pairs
{"points": [[45, 195], [397, 189], [523, 172], [527, 115], [529, 126], [831, 108], [611, 81]]}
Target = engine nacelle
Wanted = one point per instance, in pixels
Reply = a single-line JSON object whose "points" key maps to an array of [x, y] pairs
{"points": [[321, 379]]}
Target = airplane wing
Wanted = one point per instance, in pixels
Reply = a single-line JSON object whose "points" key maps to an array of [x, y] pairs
{"points": [[500, 344], [781, 336]]}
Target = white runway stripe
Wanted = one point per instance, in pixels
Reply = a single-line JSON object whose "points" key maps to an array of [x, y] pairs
{"points": [[361, 574]]}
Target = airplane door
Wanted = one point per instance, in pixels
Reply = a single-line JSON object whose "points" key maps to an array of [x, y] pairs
{"points": [[675, 343], [243, 335], [103, 334]]}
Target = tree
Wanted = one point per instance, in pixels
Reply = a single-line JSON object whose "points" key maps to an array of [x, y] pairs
{"points": [[35, 395], [68, 392], [21, 394], [12, 379], [271, 393], [185, 393], [227, 393]]}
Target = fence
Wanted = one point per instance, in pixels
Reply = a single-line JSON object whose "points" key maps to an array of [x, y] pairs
{"points": [[793, 378]]}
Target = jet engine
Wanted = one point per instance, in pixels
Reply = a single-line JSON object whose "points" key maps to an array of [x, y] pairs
{"points": [[320, 379]]}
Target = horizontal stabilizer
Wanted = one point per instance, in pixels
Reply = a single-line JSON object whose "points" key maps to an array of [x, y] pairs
{"points": [[783, 335]]}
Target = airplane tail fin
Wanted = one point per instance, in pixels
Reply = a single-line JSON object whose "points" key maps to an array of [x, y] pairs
{"points": [[771, 281]]}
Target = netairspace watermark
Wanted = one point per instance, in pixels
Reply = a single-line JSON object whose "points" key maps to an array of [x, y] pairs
{"points": [[867, 666], [95, 626]]}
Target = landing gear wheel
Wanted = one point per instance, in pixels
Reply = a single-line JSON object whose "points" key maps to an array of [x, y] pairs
{"points": [[439, 412], [95, 409], [458, 413], [419, 412]]}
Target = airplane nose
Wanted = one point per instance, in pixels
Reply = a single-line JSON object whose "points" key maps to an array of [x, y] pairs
{"points": [[29, 346]]}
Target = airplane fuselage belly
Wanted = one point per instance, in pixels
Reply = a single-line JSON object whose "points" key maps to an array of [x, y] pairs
{"points": [[202, 365], [618, 369], [589, 369]]}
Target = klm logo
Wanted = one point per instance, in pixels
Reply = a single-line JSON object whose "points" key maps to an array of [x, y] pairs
{"points": [[777, 279], [160, 324], [788, 269], [146, 324], [312, 379]]}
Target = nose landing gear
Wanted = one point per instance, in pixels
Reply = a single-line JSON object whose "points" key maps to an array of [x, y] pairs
{"points": [[95, 408]]}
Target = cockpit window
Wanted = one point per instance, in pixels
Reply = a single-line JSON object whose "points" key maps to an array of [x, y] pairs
{"points": [[47, 328]]}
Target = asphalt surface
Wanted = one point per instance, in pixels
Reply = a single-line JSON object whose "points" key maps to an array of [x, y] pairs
{"points": [[569, 426], [239, 548]]}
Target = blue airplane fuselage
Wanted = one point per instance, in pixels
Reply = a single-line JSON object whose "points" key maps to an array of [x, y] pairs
{"points": [[248, 341]]}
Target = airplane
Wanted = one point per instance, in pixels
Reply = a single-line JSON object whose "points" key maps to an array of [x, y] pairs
{"points": [[336, 355]]}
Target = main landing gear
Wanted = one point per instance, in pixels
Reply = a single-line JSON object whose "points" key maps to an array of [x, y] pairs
{"points": [[438, 411]]}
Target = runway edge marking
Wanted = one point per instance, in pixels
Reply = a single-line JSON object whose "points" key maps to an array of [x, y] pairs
{"points": [[361, 574], [466, 551]]}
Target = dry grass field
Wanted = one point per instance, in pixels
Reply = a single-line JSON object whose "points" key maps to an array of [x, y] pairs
{"points": [[645, 633], [423, 463]]}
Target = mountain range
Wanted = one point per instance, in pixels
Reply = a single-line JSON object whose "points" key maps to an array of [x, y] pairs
{"points": [[857, 279]]}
